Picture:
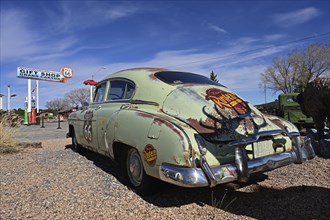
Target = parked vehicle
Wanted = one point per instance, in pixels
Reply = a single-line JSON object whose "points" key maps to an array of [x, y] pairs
{"points": [[182, 128], [290, 109]]}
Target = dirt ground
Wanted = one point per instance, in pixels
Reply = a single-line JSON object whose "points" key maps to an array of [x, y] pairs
{"points": [[53, 182]]}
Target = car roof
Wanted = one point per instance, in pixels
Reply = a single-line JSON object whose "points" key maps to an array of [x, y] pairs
{"points": [[146, 81], [136, 73]]}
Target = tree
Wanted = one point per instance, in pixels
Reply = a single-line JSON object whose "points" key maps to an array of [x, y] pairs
{"points": [[214, 76], [292, 73], [77, 97], [56, 104], [315, 61]]}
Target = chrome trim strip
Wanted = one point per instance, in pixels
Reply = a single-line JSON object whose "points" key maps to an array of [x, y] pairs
{"points": [[203, 162], [241, 164], [256, 137]]}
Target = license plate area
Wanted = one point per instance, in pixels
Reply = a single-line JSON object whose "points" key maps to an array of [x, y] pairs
{"points": [[263, 148]]}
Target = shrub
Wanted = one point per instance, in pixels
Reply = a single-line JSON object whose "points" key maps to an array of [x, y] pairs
{"points": [[7, 136]]}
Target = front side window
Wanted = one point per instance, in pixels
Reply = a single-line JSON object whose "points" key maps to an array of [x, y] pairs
{"points": [[100, 92], [120, 90]]}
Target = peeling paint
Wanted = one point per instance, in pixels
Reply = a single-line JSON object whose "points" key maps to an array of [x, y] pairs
{"points": [[176, 160], [153, 77], [161, 121]]}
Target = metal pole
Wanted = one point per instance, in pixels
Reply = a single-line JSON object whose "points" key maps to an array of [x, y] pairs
{"points": [[91, 86], [42, 122], [29, 95], [8, 100], [59, 121], [91, 94], [265, 93], [37, 100]]}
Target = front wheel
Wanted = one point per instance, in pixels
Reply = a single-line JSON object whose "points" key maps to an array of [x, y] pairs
{"points": [[76, 147], [135, 175]]}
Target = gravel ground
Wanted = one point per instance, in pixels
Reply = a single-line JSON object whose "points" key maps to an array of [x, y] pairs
{"points": [[53, 182]]}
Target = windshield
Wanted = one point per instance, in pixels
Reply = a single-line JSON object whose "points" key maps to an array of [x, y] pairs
{"points": [[184, 78]]}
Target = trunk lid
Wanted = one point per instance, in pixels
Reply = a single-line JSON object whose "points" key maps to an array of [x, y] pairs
{"points": [[216, 113]]}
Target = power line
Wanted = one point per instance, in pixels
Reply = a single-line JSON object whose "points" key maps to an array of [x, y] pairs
{"points": [[254, 50]]}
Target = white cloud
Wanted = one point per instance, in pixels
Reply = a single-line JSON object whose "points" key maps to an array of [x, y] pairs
{"points": [[117, 12], [74, 16], [273, 37], [16, 36], [20, 41], [217, 29], [296, 17]]}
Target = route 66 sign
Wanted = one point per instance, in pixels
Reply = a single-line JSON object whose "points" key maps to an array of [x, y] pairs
{"points": [[67, 72], [87, 129]]}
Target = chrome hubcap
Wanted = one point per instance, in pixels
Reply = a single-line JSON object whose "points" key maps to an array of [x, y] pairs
{"points": [[135, 169]]}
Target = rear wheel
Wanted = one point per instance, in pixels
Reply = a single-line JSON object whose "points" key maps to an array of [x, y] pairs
{"points": [[135, 175]]}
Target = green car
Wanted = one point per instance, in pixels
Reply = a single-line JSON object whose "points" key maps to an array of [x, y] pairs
{"points": [[182, 128], [290, 109]]}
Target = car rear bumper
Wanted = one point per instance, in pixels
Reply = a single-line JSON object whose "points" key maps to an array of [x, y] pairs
{"points": [[240, 170]]}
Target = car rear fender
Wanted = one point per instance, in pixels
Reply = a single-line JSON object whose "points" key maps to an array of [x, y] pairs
{"points": [[157, 139]]}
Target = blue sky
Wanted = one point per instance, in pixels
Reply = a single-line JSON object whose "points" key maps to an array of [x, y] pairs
{"points": [[235, 39]]}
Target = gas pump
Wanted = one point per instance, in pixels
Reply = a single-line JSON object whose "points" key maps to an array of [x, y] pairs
{"points": [[33, 110], [26, 118]]}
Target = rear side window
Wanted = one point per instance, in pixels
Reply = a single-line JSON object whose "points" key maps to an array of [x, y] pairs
{"points": [[120, 90], [100, 92], [171, 77]]}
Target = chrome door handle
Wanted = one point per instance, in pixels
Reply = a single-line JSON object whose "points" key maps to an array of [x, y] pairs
{"points": [[125, 106]]}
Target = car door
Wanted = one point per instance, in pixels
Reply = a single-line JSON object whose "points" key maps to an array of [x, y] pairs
{"points": [[90, 117], [117, 99]]}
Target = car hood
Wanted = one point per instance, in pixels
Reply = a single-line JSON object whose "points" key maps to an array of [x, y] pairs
{"points": [[218, 114]]}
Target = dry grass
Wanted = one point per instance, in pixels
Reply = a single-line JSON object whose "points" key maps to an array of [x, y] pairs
{"points": [[7, 136]]}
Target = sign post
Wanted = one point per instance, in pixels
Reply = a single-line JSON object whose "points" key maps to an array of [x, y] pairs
{"points": [[29, 96], [37, 100]]}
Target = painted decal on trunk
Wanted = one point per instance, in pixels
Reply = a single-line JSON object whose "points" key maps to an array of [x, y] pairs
{"points": [[87, 130], [150, 154], [227, 100]]}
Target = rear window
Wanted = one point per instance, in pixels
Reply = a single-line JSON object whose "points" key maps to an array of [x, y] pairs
{"points": [[176, 78]]}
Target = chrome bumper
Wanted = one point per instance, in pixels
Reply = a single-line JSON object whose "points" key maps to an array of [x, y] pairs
{"points": [[240, 170]]}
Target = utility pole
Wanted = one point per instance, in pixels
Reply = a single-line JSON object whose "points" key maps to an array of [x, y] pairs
{"points": [[8, 100], [265, 90]]}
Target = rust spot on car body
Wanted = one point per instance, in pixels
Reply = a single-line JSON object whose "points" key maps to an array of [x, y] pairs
{"points": [[153, 77], [279, 123], [145, 115], [198, 126]]}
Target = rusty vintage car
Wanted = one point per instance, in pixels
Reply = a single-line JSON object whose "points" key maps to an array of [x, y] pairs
{"points": [[182, 128]]}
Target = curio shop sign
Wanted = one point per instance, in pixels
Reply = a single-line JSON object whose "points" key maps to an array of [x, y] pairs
{"points": [[29, 73]]}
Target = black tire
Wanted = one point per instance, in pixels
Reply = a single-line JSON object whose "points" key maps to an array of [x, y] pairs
{"points": [[134, 174], [76, 147]]}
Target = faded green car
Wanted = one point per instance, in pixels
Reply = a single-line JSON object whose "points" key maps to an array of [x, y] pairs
{"points": [[182, 128], [290, 109]]}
